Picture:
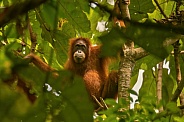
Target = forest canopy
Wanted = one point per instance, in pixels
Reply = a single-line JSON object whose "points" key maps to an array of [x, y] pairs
{"points": [[141, 35]]}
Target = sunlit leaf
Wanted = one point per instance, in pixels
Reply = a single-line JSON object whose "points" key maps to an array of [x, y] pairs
{"points": [[11, 31], [72, 11]]}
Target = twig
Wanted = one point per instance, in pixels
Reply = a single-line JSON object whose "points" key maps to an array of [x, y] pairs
{"points": [[42, 21], [32, 36], [178, 70], [159, 7], [178, 90], [178, 4], [97, 101], [104, 104]]}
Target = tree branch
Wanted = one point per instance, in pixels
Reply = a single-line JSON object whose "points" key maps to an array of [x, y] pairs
{"points": [[180, 81], [15, 10], [32, 36], [181, 52], [139, 53], [178, 4], [178, 90]]}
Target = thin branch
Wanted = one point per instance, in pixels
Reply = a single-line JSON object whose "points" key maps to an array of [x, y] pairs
{"points": [[97, 101], [178, 4], [159, 7], [172, 40], [32, 36], [103, 103], [178, 90], [178, 70], [177, 64], [181, 52], [180, 81], [42, 21]]}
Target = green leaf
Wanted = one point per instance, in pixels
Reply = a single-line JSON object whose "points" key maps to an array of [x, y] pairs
{"points": [[14, 105], [139, 9], [112, 42], [167, 86], [150, 36], [112, 118], [5, 2], [144, 66], [132, 92], [29, 74], [75, 99], [50, 14], [172, 107], [146, 63], [37, 111], [62, 41], [110, 102], [74, 12], [10, 31], [35, 26], [148, 87], [134, 79]]}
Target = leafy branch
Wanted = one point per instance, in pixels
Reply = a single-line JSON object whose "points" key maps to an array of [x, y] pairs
{"points": [[15, 10]]}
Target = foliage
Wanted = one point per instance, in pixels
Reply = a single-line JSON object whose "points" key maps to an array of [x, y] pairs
{"points": [[65, 98]]}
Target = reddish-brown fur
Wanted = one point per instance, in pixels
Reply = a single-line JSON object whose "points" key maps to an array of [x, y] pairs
{"points": [[94, 71]]}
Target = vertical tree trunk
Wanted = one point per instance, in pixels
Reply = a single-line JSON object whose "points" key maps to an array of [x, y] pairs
{"points": [[159, 84], [127, 60], [125, 71]]}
